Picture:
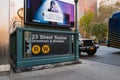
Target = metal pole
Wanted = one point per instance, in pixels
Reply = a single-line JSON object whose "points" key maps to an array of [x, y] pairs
{"points": [[76, 32]]}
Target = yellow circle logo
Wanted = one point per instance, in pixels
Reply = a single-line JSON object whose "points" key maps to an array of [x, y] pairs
{"points": [[36, 49], [45, 49]]}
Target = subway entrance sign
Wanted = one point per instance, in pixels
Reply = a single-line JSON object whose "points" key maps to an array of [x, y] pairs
{"points": [[45, 37], [49, 44], [38, 47]]}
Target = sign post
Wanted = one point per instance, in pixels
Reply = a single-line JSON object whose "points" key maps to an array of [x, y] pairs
{"points": [[76, 32]]}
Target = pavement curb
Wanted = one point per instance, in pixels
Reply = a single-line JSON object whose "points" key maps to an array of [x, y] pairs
{"points": [[4, 68], [43, 69], [88, 70]]}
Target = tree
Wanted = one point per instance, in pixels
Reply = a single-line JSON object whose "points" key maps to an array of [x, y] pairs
{"points": [[85, 22], [99, 31], [105, 12], [94, 22], [100, 20]]}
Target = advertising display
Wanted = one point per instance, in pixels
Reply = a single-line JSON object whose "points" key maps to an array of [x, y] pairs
{"points": [[49, 12]]}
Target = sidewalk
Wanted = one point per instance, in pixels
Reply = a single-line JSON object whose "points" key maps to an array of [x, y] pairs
{"points": [[87, 70]]}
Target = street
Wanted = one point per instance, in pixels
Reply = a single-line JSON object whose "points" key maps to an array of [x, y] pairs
{"points": [[107, 55]]}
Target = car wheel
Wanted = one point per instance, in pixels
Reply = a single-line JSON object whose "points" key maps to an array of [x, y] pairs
{"points": [[91, 52]]}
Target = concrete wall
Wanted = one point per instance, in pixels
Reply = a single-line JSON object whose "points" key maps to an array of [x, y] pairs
{"points": [[4, 31], [4, 35]]}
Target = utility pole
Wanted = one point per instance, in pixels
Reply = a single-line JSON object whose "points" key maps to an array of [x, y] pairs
{"points": [[76, 31]]}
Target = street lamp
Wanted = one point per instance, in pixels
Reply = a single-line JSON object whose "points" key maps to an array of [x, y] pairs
{"points": [[76, 15], [76, 32], [76, 1]]}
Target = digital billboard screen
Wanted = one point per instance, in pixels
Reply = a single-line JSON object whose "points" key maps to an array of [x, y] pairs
{"points": [[49, 12]]}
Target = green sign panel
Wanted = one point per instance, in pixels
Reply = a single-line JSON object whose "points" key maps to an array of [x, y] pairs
{"points": [[50, 44]]}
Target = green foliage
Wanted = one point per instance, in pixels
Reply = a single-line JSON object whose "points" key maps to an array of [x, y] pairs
{"points": [[105, 12], [100, 20], [86, 18], [99, 30], [97, 23], [85, 22]]}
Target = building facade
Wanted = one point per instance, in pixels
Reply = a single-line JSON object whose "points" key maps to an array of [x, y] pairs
{"points": [[86, 5]]}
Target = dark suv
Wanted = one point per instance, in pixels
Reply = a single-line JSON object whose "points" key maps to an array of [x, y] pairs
{"points": [[88, 46]]}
